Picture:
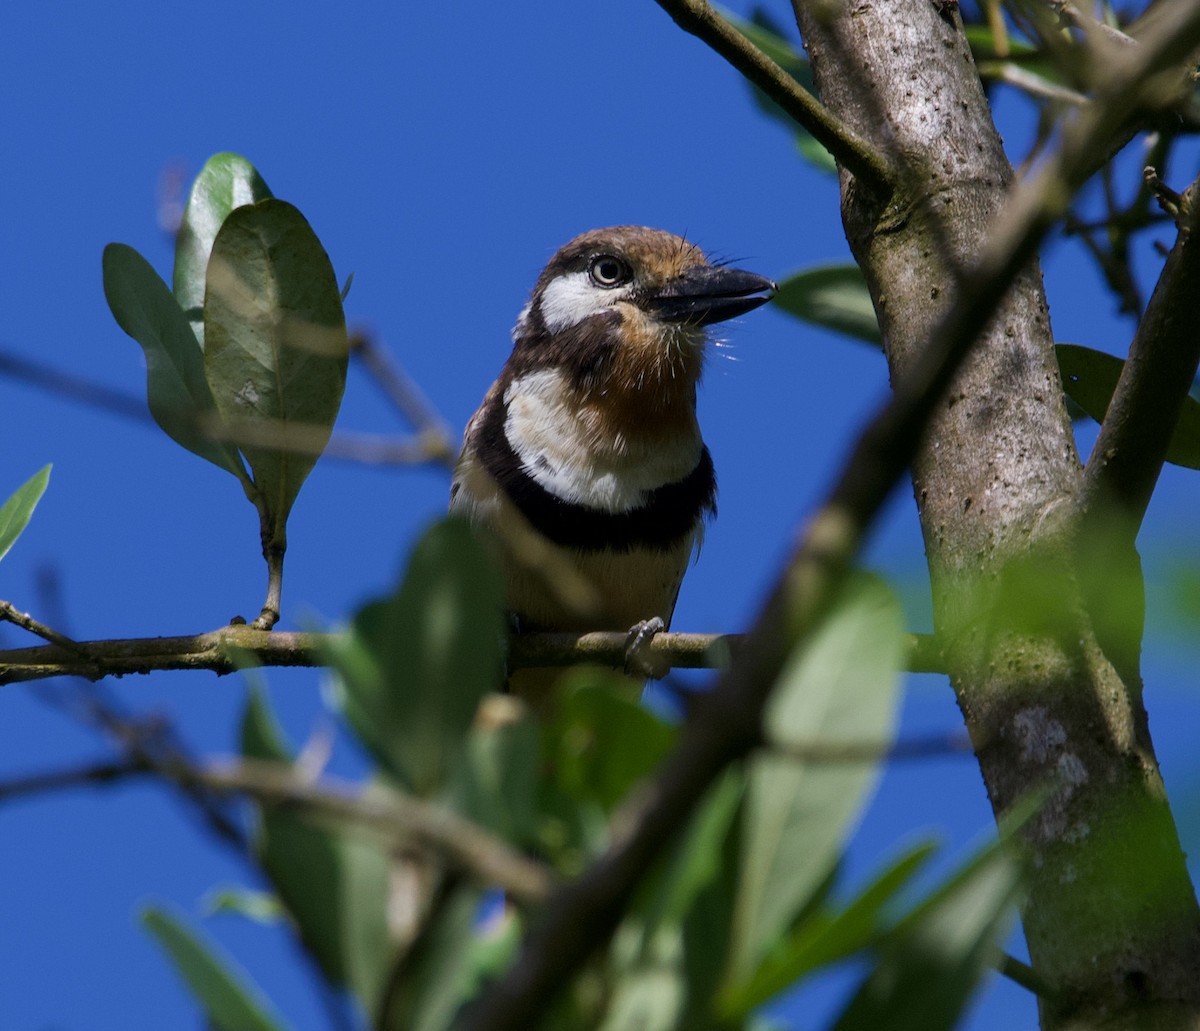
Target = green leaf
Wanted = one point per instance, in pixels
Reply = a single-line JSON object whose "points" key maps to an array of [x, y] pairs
{"points": [[263, 907], [1090, 378], [604, 742], [840, 687], [833, 296], [16, 512], [441, 969], [176, 389], [713, 847], [227, 181], [825, 937], [230, 1001], [697, 862], [276, 348], [648, 988], [933, 960], [334, 885], [414, 666], [496, 784], [982, 41]]}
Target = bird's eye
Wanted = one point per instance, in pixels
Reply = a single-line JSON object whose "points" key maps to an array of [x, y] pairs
{"points": [[607, 270]]}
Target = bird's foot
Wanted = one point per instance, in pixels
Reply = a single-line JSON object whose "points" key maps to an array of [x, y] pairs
{"points": [[639, 661]]}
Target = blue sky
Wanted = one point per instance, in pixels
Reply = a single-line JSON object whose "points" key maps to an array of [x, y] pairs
{"points": [[442, 153]]}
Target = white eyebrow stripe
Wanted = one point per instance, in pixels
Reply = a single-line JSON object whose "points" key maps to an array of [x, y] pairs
{"points": [[570, 298]]}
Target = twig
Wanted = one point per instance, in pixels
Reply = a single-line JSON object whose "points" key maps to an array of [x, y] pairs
{"points": [[858, 752], [226, 651], [852, 151], [345, 446], [400, 818], [10, 614], [433, 432], [582, 915], [74, 388], [396, 817], [1029, 82], [221, 651], [97, 773], [1025, 976], [1170, 201], [1129, 453]]}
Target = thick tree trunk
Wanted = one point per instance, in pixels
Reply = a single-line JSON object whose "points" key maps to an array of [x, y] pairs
{"points": [[1111, 919]]}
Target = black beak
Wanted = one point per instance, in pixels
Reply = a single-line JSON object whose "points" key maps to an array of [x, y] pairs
{"points": [[705, 295]]}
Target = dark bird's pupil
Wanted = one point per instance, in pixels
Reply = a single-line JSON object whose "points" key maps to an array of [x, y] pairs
{"points": [[609, 270]]}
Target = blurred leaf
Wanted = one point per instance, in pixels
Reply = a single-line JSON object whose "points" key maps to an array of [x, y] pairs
{"points": [[441, 969], [260, 906], [815, 153], [697, 861], [334, 885], [713, 848], [230, 1003], [680, 919], [1021, 56], [1090, 378], [982, 41], [603, 741], [496, 784], [648, 991], [833, 296], [227, 181], [931, 963], [177, 392], [825, 937], [767, 35], [16, 512], [839, 687], [413, 667], [276, 348]]}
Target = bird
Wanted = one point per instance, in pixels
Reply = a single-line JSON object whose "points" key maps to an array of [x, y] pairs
{"points": [[585, 459]]}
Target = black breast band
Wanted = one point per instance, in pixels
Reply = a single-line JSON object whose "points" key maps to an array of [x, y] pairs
{"points": [[669, 513]]}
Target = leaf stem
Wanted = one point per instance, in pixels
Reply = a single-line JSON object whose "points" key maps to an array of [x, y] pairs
{"points": [[273, 553]]}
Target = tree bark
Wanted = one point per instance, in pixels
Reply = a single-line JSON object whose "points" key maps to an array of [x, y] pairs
{"points": [[1111, 918]]}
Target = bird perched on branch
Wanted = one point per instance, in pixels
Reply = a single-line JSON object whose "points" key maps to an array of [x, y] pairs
{"points": [[586, 457]]}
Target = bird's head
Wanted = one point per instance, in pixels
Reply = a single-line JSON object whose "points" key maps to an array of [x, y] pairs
{"points": [[626, 308]]}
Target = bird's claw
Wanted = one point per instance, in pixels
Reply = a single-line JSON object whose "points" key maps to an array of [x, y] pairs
{"points": [[638, 660]]}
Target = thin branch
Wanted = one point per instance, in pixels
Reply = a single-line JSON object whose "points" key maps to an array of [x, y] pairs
{"points": [[860, 752], [88, 775], [74, 388], [1030, 82], [852, 151], [314, 439], [9, 613], [1125, 463], [434, 433], [1024, 975], [582, 915], [228, 649], [395, 817], [400, 818], [345, 446], [221, 651]]}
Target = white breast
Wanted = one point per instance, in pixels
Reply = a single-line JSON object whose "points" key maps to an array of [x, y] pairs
{"points": [[559, 449]]}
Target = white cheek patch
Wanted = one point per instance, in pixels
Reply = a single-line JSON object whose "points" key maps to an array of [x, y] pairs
{"points": [[568, 300], [557, 451], [522, 319]]}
